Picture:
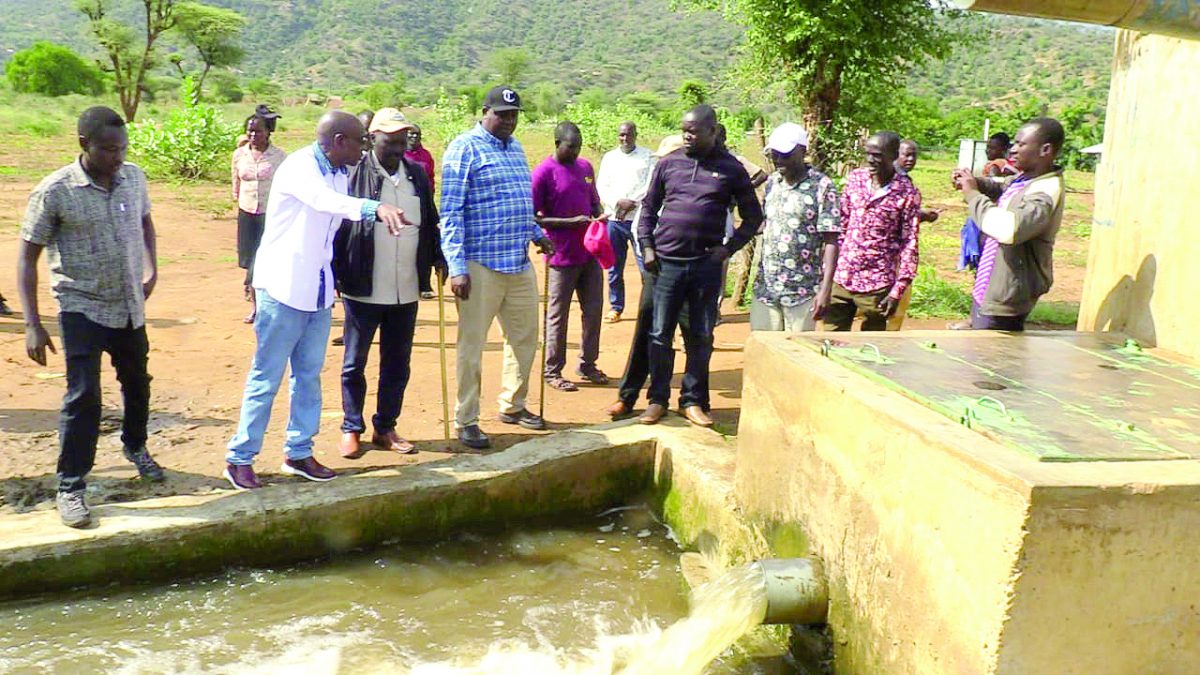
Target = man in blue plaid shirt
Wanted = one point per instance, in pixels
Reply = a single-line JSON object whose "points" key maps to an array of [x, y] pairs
{"points": [[487, 225]]}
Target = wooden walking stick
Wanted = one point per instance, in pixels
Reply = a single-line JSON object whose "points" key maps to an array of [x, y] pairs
{"points": [[545, 334], [442, 355]]}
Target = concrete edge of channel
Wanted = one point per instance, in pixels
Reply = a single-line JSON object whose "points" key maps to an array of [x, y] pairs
{"points": [[572, 472]]}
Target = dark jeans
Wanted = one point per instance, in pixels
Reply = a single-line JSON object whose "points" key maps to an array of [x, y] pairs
{"points": [[587, 282], [396, 325], [637, 368], [620, 233], [694, 285], [84, 342], [988, 322], [845, 304]]}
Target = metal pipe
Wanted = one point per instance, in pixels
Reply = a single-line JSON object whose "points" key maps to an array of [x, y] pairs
{"points": [[1177, 18], [796, 590]]}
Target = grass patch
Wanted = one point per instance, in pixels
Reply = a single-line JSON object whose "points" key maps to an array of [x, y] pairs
{"points": [[1058, 313], [937, 298]]}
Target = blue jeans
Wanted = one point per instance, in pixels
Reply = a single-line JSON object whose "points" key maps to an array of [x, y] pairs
{"points": [[285, 336], [692, 284], [620, 233]]}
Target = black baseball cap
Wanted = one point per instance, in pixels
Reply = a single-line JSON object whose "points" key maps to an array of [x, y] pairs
{"points": [[502, 98]]}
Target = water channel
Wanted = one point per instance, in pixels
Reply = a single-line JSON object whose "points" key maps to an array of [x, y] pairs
{"points": [[573, 599]]}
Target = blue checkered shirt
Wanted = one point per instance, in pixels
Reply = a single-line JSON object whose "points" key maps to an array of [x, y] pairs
{"points": [[487, 204]]}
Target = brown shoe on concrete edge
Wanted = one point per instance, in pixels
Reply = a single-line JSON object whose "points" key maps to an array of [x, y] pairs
{"points": [[351, 446], [696, 415], [654, 413], [390, 440], [619, 410]]}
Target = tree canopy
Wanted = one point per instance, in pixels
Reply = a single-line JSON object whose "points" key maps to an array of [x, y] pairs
{"points": [[53, 70], [832, 55]]}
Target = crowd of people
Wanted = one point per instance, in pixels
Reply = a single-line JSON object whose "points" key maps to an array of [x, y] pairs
{"points": [[353, 215]]}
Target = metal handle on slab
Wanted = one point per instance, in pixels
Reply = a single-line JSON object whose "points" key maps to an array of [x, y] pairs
{"points": [[999, 404]]}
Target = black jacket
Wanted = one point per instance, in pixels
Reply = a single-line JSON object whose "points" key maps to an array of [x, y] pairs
{"points": [[354, 243]]}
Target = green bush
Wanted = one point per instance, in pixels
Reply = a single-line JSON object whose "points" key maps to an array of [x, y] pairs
{"points": [[193, 142], [937, 298], [53, 70]]}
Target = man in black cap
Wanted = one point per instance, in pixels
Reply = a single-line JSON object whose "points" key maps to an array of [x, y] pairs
{"points": [[487, 226]]}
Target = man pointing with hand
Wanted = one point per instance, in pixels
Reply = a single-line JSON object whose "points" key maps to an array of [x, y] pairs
{"points": [[487, 225], [294, 285]]}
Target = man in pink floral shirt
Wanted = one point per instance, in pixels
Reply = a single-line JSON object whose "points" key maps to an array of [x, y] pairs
{"points": [[878, 258]]}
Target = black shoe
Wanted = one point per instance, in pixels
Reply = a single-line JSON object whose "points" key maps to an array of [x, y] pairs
{"points": [[525, 419], [4, 309], [473, 437], [147, 468]]}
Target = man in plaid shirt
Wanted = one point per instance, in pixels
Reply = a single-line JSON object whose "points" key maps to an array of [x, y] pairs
{"points": [[487, 225]]}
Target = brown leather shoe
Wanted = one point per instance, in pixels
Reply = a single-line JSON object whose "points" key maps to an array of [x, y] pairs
{"points": [[620, 410], [390, 440], [696, 415], [654, 413], [350, 446]]}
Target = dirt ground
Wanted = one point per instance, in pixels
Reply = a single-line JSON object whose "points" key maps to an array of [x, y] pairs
{"points": [[200, 353]]}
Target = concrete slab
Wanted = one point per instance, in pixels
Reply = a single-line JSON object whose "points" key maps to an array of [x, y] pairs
{"points": [[684, 472], [950, 551], [165, 538]]}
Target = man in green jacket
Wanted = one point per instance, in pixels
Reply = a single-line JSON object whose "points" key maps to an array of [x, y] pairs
{"points": [[1019, 217]]}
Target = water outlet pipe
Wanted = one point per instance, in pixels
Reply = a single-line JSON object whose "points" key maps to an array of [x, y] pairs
{"points": [[796, 590], [1177, 18]]}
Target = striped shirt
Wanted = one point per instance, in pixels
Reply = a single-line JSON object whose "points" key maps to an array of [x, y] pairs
{"points": [[487, 204], [991, 247]]}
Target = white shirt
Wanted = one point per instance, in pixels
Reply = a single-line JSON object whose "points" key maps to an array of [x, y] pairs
{"points": [[623, 176], [304, 211], [394, 274]]}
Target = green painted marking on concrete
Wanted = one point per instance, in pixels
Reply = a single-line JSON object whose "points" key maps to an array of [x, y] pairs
{"points": [[1114, 401], [1186, 412], [1135, 359]]}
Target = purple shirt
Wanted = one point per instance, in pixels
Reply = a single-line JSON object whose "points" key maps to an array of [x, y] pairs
{"points": [[566, 191]]}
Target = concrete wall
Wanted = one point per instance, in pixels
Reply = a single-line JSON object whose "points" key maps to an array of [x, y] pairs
{"points": [[1142, 267], [947, 552]]}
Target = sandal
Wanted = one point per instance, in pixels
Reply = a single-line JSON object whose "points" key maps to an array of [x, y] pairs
{"points": [[594, 376], [613, 316], [250, 317], [561, 384]]}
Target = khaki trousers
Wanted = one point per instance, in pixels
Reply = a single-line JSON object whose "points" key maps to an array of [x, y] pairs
{"points": [[513, 299]]}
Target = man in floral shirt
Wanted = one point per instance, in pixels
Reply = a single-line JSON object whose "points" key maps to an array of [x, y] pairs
{"points": [[877, 260], [794, 285]]}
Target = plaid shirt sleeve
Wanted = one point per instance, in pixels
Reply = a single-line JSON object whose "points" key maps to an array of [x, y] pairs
{"points": [[41, 216], [455, 178]]}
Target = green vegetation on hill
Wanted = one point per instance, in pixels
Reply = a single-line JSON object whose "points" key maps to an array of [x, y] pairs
{"points": [[616, 45]]}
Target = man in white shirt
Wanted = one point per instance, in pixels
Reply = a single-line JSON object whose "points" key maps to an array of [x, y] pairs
{"points": [[378, 276], [294, 286], [624, 174]]}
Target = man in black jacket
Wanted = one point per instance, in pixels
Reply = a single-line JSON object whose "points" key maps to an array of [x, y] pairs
{"points": [[377, 275], [680, 231]]}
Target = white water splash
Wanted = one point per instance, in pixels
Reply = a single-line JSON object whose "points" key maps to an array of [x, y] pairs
{"points": [[723, 610]]}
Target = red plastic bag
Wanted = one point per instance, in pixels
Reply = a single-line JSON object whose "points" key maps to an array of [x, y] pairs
{"points": [[596, 241]]}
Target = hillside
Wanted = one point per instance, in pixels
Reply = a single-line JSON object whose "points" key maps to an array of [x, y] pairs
{"points": [[617, 45]]}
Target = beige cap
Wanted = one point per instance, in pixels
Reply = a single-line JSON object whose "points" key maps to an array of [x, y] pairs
{"points": [[668, 145], [389, 121]]}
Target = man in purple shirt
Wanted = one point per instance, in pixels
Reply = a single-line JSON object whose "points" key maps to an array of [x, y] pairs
{"points": [[680, 231], [565, 201]]}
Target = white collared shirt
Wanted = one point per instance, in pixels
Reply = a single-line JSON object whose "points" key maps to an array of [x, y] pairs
{"points": [[623, 176], [305, 208]]}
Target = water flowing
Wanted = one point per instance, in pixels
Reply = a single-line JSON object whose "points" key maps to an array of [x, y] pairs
{"points": [[722, 610]]}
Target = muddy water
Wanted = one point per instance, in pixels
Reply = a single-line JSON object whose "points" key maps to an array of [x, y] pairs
{"points": [[557, 592]]}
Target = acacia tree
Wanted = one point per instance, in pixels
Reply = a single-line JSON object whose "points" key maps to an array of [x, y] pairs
{"points": [[214, 32], [834, 56], [129, 61], [510, 64]]}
